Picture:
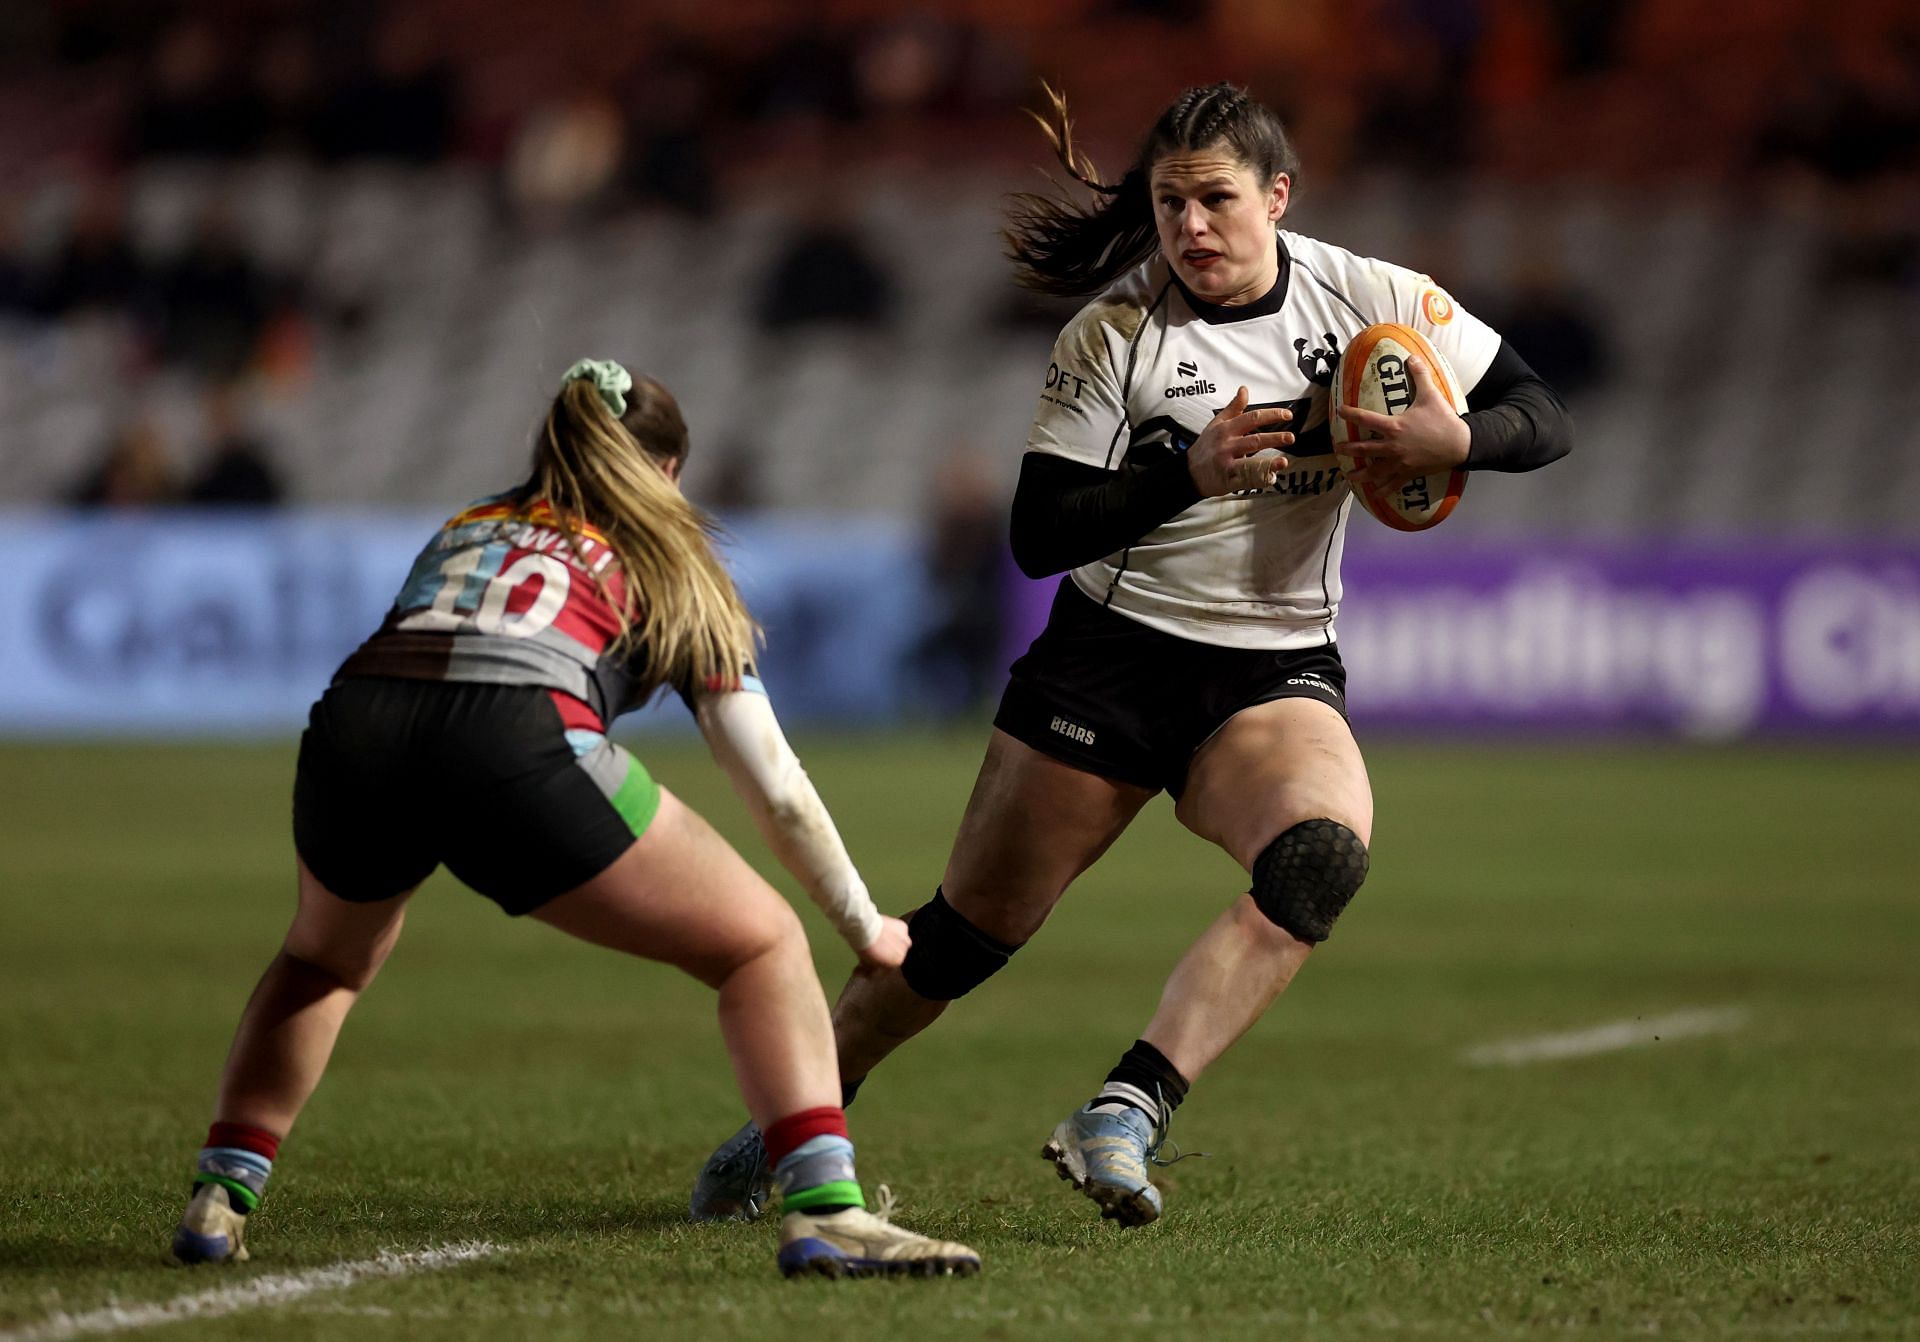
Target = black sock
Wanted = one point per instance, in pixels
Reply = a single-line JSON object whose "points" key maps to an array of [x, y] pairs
{"points": [[1144, 1074], [849, 1089]]}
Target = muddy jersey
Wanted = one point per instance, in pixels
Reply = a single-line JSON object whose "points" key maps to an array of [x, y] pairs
{"points": [[1140, 370], [502, 596]]}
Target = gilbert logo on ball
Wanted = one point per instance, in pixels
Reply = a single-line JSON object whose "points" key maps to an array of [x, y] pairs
{"points": [[1374, 376]]}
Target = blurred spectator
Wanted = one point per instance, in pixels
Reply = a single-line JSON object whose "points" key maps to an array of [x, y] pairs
{"points": [[1853, 117], [16, 274], [958, 660], [1854, 122], [190, 104], [101, 29], [1023, 311], [906, 65], [285, 354], [1589, 33], [806, 76], [823, 273], [236, 470], [564, 158], [1166, 11], [1554, 330], [401, 105], [287, 90], [734, 487], [671, 159], [1454, 28], [212, 300], [1423, 127], [96, 266], [133, 472]]}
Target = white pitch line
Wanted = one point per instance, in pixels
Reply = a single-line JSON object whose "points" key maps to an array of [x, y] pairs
{"points": [[257, 1293], [1608, 1038]]}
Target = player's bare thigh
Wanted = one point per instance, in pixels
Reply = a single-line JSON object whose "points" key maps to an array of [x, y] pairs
{"points": [[349, 939], [1269, 768], [679, 894], [1032, 825]]}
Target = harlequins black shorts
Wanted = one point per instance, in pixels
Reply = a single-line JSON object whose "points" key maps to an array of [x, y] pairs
{"points": [[1110, 695], [398, 776]]}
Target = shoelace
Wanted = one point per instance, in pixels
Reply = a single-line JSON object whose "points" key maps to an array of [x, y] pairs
{"points": [[1162, 1138], [745, 1150], [883, 1199]]}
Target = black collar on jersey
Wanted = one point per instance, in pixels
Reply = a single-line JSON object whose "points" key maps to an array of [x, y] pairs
{"points": [[1214, 314]]}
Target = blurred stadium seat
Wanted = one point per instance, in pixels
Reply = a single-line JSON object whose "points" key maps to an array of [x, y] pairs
{"points": [[1795, 426], [421, 309]]}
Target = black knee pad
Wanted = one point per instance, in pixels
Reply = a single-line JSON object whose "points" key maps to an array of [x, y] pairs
{"points": [[950, 957], [1304, 878]]}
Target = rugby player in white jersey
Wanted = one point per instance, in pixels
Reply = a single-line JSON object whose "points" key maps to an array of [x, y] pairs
{"points": [[1180, 473]]}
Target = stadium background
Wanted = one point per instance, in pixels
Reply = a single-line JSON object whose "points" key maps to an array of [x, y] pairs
{"points": [[282, 282]]}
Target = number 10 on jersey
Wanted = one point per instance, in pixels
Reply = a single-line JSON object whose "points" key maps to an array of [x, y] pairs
{"points": [[474, 591]]}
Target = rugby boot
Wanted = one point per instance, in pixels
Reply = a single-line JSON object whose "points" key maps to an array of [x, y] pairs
{"points": [[860, 1243], [736, 1183], [211, 1231], [1105, 1156]]}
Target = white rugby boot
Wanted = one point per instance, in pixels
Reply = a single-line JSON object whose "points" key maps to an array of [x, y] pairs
{"points": [[860, 1243], [211, 1231]]}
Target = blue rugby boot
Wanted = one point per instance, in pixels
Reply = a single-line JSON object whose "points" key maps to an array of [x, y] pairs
{"points": [[736, 1183], [1105, 1156], [211, 1231]]}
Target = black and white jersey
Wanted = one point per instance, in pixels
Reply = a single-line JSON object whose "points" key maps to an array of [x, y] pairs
{"points": [[1140, 370]]}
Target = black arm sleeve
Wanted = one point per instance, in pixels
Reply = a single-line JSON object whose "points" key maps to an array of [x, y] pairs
{"points": [[1516, 420], [1067, 513]]}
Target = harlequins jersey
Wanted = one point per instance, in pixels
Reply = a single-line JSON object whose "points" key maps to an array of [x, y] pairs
{"points": [[1139, 372], [502, 596]]}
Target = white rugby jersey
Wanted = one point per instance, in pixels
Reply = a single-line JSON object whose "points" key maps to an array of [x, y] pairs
{"points": [[1141, 369]]}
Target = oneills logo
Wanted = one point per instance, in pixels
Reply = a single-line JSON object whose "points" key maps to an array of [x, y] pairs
{"points": [[1437, 306]]}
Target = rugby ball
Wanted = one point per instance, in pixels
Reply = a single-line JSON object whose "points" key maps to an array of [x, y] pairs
{"points": [[1373, 376]]}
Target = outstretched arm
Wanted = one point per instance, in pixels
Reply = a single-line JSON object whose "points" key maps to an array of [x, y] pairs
{"points": [[749, 746]]}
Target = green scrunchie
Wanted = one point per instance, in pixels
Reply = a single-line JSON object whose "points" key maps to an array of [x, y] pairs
{"points": [[611, 380]]}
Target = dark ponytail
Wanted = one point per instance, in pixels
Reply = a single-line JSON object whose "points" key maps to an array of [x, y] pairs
{"points": [[1059, 247]]}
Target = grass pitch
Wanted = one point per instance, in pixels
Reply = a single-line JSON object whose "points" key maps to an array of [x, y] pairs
{"points": [[503, 1084]]}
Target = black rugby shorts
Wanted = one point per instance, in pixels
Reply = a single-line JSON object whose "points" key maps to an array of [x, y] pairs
{"points": [[398, 776], [1109, 695]]}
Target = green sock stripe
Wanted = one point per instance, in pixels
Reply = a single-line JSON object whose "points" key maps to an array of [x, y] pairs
{"points": [[246, 1197], [638, 798], [841, 1192]]}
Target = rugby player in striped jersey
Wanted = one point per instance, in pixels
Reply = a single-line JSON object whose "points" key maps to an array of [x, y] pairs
{"points": [[470, 730]]}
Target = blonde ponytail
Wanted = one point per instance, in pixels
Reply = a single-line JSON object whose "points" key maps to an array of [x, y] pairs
{"points": [[680, 603]]}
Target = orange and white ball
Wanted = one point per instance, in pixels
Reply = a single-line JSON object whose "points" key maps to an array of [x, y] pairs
{"points": [[1374, 376]]}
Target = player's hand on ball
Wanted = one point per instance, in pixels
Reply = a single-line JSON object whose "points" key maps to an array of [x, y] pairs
{"points": [[1222, 461], [1427, 437], [887, 950]]}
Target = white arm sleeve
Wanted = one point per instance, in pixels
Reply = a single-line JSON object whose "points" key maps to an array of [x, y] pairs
{"points": [[746, 740]]}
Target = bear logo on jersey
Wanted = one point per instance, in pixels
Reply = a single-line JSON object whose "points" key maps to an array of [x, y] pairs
{"points": [[1320, 363]]}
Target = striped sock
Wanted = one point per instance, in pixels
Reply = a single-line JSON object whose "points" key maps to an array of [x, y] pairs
{"points": [[239, 1159], [813, 1162], [1145, 1080]]}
